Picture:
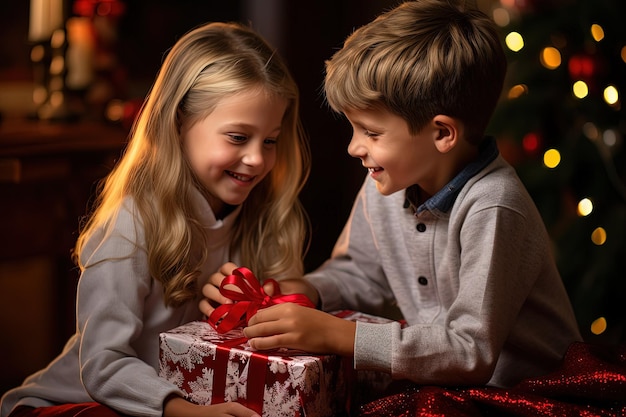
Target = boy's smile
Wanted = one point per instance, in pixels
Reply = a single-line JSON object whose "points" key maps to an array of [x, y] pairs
{"points": [[394, 158]]}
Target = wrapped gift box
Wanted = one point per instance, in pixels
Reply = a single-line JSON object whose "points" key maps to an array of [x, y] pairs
{"points": [[210, 368]]}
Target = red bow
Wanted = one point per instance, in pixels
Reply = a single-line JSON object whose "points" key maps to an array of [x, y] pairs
{"points": [[248, 300]]}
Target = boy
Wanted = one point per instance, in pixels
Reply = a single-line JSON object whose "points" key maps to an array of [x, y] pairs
{"points": [[442, 227]]}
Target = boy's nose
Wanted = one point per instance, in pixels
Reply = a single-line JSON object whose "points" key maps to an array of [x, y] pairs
{"points": [[356, 148]]}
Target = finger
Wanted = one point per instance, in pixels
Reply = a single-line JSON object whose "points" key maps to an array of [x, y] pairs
{"points": [[205, 307], [213, 293], [228, 268], [268, 289]]}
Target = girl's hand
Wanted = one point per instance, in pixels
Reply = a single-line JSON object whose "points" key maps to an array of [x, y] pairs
{"points": [[211, 290], [293, 326], [178, 407]]}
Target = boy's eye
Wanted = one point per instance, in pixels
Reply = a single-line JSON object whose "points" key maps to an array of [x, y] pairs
{"points": [[370, 134]]}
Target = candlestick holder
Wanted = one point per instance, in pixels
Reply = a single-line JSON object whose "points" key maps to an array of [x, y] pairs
{"points": [[50, 92]]}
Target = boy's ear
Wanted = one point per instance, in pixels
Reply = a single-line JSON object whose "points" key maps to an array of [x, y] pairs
{"points": [[448, 132]]}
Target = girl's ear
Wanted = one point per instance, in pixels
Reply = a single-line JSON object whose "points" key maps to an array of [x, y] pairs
{"points": [[449, 132]]}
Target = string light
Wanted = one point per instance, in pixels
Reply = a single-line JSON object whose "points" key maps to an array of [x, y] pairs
{"points": [[597, 32], [501, 16], [598, 236], [598, 326], [552, 158], [514, 41], [580, 89], [550, 58], [585, 207], [517, 91], [611, 95]]}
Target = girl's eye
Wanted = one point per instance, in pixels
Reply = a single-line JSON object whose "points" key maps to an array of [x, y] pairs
{"points": [[238, 138], [270, 141]]}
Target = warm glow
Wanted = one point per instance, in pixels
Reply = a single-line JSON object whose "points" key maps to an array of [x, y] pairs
{"points": [[623, 53], [514, 41], [550, 57], [501, 16], [551, 158], [611, 96], [585, 207], [580, 89], [530, 142], [591, 131], [597, 32], [598, 236], [609, 137], [598, 326], [517, 91]]}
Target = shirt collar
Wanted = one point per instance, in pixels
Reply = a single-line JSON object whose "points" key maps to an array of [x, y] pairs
{"points": [[444, 199]]}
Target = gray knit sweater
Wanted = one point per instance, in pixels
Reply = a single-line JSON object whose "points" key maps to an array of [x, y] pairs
{"points": [[477, 285]]}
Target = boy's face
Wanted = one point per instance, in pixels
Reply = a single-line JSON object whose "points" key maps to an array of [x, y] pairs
{"points": [[395, 158]]}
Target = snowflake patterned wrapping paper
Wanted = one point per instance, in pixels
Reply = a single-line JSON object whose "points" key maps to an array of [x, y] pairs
{"points": [[211, 368]]}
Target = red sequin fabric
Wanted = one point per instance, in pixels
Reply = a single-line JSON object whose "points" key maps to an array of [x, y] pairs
{"points": [[591, 382]]}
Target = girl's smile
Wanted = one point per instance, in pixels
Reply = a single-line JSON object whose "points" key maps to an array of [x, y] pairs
{"points": [[234, 147]]}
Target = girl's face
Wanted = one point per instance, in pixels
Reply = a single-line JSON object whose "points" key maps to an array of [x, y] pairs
{"points": [[234, 147], [395, 158]]}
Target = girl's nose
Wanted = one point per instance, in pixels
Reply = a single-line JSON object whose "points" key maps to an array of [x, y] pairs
{"points": [[253, 155]]}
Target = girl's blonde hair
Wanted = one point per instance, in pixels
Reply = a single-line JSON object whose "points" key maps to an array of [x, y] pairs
{"points": [[205, 65], [420, 59]]}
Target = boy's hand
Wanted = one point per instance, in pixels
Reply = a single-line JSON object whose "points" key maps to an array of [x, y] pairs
{"points": [[213, 297], [293, 326], [211, 290]]}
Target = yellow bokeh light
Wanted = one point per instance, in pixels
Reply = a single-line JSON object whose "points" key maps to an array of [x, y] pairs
{"points": [[598, 326], [517, 91], [550, 57], [598, 236], [611, 95], [552, 158], [597, 32], [585, 207], [580, 89], [514, 41]]}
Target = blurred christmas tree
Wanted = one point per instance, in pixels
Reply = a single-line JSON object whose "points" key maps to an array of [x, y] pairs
{"points": [[561, 123]]}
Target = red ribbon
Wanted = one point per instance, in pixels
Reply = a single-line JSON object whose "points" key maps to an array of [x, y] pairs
{"points": [[247, 300]]}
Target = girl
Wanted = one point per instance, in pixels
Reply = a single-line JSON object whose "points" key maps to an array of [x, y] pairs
{"points": [[212, 173]]}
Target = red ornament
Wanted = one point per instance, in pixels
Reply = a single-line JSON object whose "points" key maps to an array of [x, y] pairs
{"points": [[582, 67]]}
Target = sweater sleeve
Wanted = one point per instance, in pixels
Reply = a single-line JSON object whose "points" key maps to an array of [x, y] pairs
{"points": [[110, 315], [353, 277]]}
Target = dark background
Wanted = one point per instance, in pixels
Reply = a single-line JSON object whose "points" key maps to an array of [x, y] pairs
{"points": [[37, 281]]}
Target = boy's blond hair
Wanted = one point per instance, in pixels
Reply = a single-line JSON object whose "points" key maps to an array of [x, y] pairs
{"points": [[209, 63], [420, 59]]}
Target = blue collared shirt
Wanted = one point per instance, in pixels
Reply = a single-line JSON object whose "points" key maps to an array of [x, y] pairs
{"points": [[444, 198]]}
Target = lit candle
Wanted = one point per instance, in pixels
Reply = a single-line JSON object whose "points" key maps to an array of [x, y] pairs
{"points": [[45, 17]]}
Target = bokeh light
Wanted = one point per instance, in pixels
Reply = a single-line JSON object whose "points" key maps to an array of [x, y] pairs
{"points": [[517, 91], [598, 236], [550, 57], [611, 95], [597, 32], [598, 326], [552, 158], [514, 41], [501, 16], [585, 207], [580, 89]]}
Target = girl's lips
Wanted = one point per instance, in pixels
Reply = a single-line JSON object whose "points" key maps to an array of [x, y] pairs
{"points": [[241, 177]]}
